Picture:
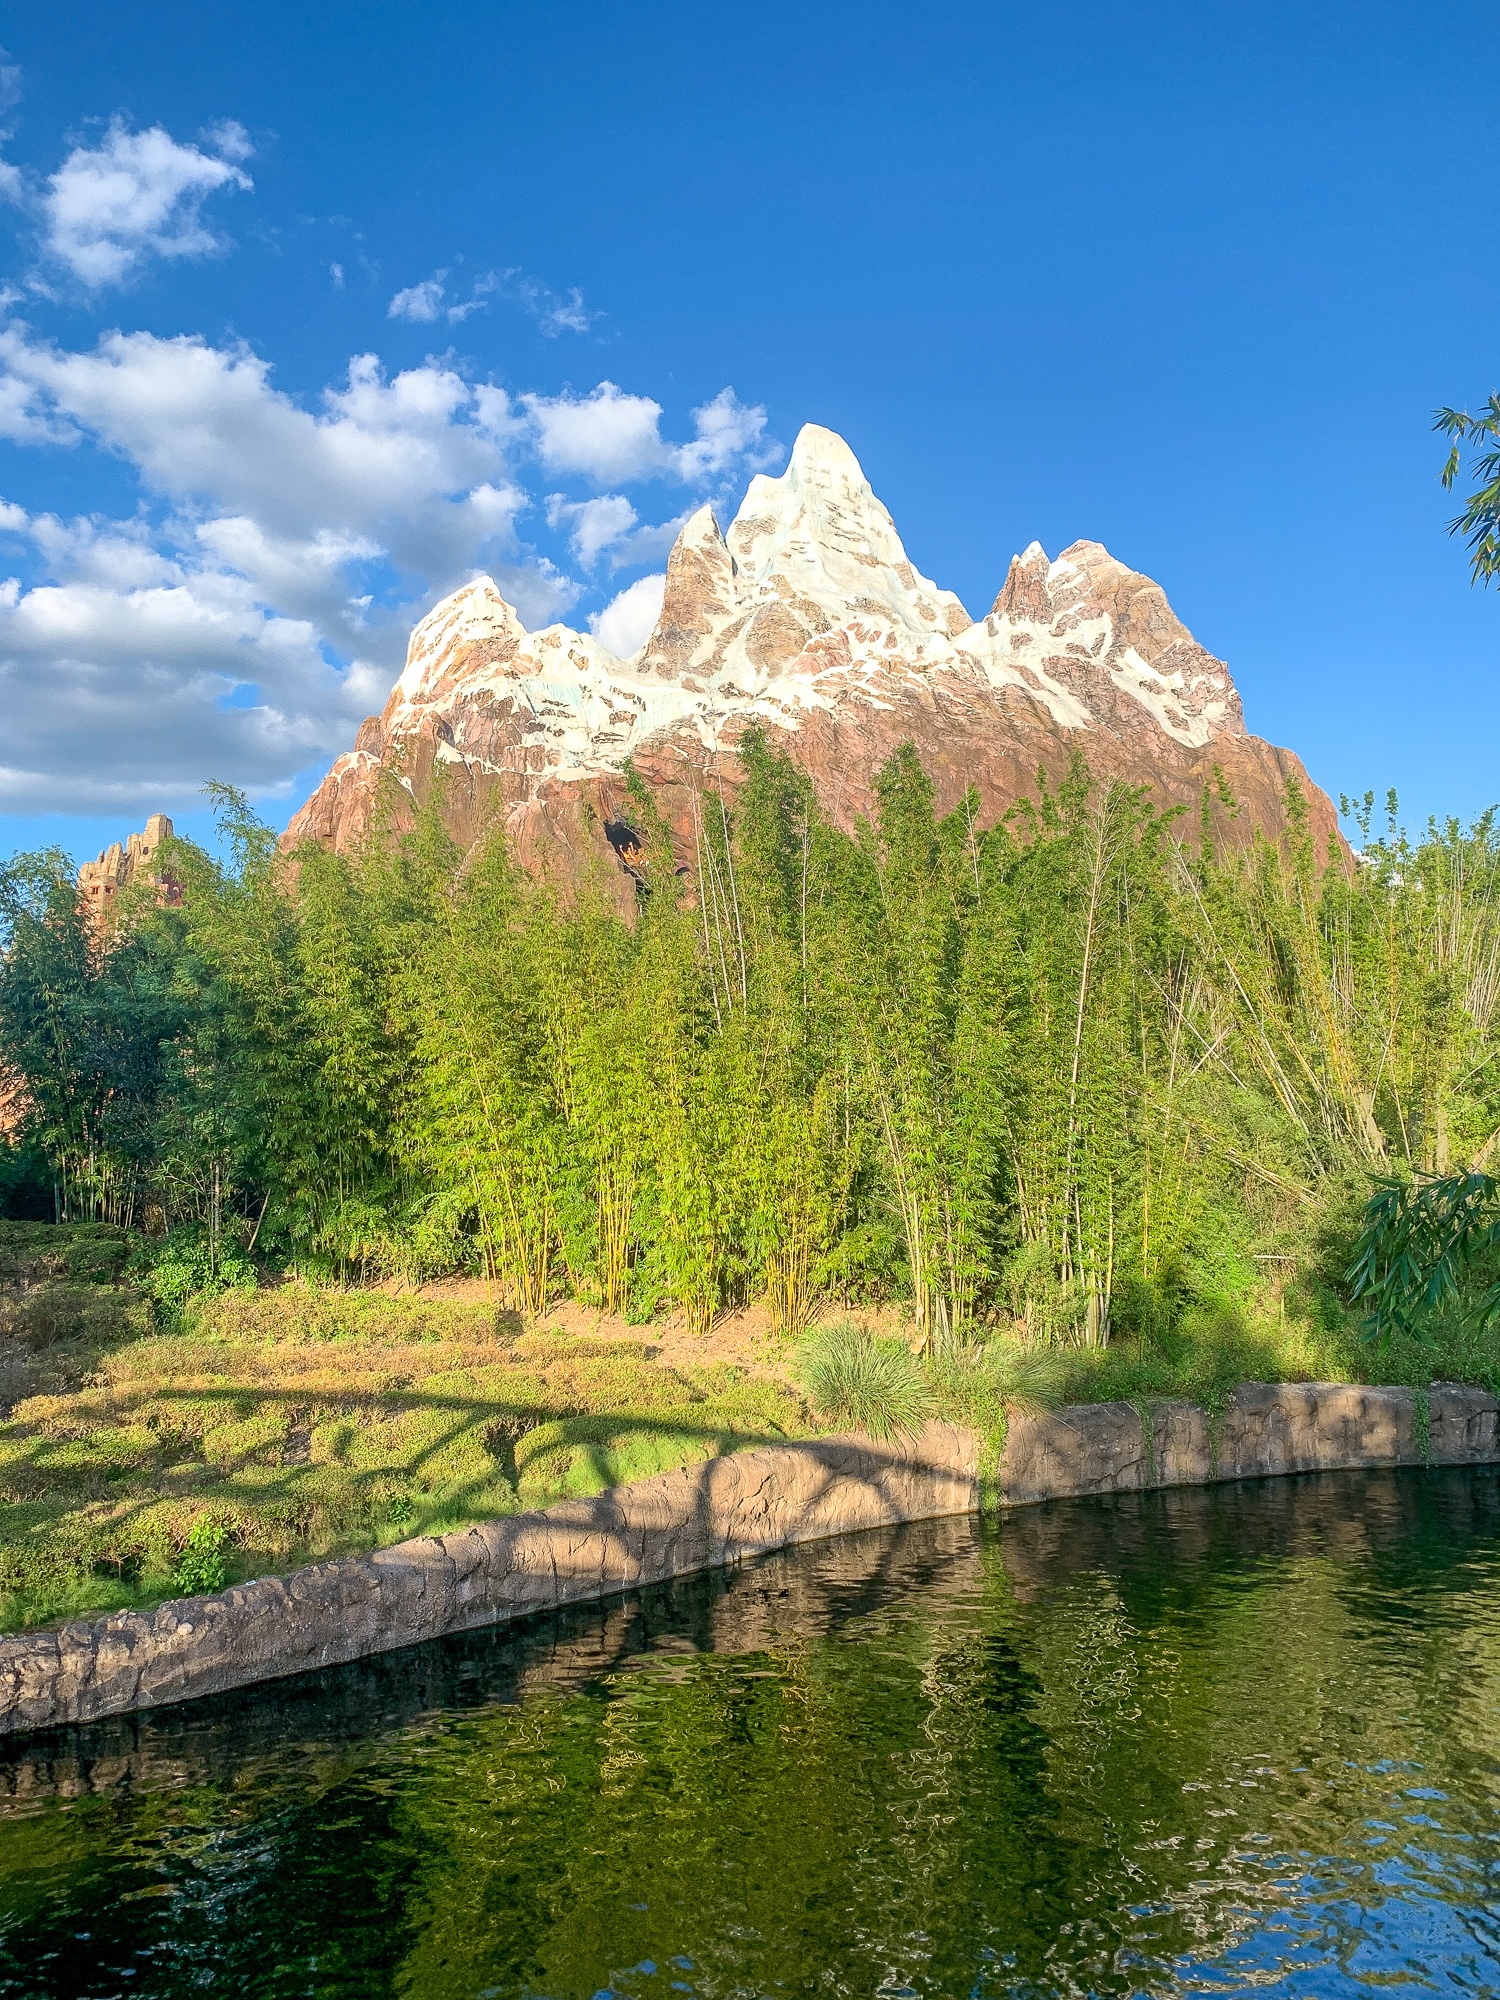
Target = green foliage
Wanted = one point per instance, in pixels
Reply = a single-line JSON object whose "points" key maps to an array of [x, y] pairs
{"points": [[864, 1382], [1421, 1248], [203, 1566], [1479, 523], [189, 1264], [1083, 1078]]}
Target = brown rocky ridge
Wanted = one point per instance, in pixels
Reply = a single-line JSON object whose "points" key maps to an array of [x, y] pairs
{"points": [[117, 868], [807, 620]]}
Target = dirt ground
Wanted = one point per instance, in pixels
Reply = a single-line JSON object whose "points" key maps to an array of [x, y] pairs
{"points": [[743, 1338]]}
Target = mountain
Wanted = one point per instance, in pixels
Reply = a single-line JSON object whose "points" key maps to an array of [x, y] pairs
{"points": [[808, 619]]}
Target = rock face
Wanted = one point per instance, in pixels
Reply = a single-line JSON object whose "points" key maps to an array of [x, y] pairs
{"points": [[808, 620], [100, 882]]}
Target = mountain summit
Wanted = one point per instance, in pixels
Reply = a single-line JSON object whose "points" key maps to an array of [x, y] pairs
{"points": [[808, 619]]}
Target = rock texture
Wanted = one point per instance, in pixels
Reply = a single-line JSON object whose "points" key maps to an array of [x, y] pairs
{"points": [[808, 620], [100, 882], [710, 1516], [1265, 1429]]}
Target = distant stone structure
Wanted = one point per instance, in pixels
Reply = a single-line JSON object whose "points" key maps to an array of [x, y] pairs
{"points": [[13, 1106], [100, 882]]}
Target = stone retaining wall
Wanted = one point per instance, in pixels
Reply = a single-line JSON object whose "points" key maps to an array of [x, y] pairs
{"points": [[710, 1515], [1265, 1428], [715, 1513]]}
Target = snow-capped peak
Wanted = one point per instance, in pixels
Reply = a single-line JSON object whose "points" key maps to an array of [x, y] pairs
{"points": [[474, 615], [808, 618], [1090, 631], [819, 532]]}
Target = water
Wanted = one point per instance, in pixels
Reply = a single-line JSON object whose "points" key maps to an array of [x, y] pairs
{"points": [[1237, 1741]]}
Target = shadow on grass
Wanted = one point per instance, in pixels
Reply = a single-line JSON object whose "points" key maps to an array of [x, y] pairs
{"points": [[305, 1511]]}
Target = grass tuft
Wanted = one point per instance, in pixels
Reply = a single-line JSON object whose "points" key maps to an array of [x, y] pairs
{"points": [[864, 1381]]}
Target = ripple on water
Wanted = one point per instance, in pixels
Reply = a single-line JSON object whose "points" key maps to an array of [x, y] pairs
{"points": [[1235, 1741]]}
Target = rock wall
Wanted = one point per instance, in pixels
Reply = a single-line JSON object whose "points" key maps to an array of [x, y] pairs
{"points": [[711, 1515], [1265, 1428]]}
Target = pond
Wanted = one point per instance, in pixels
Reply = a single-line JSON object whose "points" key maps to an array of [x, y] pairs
{"points": [[1227, 1741]]}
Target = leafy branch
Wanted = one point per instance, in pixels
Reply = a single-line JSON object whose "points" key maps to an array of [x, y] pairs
{"points": [[1419, 1248], [1479, 523]]}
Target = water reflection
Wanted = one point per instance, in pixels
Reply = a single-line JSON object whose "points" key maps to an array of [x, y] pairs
{"points": [[1221, 1742]]}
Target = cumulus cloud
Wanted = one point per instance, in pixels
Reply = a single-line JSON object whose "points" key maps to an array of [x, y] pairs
{"points": [[120, 692], [607, 436], [136, 195], [414, 461], [613, 438], [257, 601], [591, 525], [260, 603], [607, 525], [627, 621], [727, 430]]}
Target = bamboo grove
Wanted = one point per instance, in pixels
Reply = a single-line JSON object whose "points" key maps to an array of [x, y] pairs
{"points": [[1065, 1073]]}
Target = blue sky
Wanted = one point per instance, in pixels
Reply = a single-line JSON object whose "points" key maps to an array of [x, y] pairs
{"points": [[308, 310]]}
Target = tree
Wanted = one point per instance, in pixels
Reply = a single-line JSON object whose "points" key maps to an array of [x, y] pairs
{"points": [[1479, 523], [89, 1025]]}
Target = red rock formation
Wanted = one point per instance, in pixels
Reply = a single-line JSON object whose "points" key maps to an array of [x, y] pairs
{"points": [[808, 620], [117, 868]]}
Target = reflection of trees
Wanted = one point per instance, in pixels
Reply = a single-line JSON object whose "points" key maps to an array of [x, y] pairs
{"points": [[966, 1782], [1053, 1763]]}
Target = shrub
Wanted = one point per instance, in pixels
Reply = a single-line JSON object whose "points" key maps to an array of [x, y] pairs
{"points": [[186, 1265], [203, 1567], [1003, 1376], [872, 1384], [96, 1260]]}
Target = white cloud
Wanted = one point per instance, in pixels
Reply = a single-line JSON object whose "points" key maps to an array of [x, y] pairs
{"points": [[552, 314], [137, 194], [478, 299], [727, 429], [627, 621], [124, 695], [229, 139], [592, 525], [289, 537], [613, 438], [608, 525], [414, 461], [424, 302], [418, 302], [258, 600], [104, 554], [607, 436]]}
